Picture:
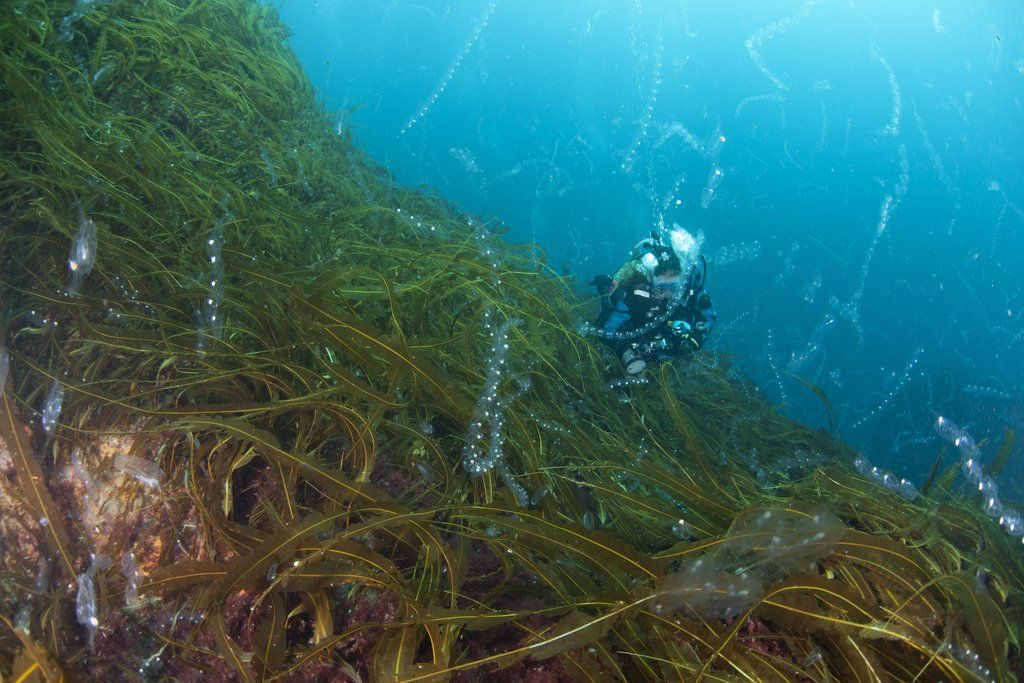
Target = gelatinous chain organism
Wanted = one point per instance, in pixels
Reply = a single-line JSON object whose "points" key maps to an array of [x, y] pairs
{"points": [[442, 85], [648, 114], [893, 127], [1009, 518], [490, 407], [766, 33]]}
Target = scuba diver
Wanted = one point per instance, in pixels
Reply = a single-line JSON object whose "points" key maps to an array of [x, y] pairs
{"points": [[655, 308]]}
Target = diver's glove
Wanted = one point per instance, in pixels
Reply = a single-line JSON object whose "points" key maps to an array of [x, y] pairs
{"points": [[680, 327], [604, 284], [684, 332]]}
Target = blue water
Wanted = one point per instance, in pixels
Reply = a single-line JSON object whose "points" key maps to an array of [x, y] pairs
{"points": [[867, 230]]}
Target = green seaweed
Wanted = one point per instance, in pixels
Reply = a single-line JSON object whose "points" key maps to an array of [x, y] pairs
{"points": [[314, 519], [1006, 450]]}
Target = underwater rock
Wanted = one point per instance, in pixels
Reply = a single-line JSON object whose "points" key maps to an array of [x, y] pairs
{"points": [[307, 522]]}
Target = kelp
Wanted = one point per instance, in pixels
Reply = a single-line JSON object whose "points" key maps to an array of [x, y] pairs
{"points": [[311, 516]]}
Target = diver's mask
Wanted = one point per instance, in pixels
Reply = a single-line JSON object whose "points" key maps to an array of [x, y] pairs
{"points": [[666, 286]]}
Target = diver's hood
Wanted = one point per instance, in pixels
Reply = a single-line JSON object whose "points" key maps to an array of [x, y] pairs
{"points": [[681, 253], [648, 244]]}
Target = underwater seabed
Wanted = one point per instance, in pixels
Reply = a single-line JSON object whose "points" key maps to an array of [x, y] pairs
{"points": [[267, 415]]}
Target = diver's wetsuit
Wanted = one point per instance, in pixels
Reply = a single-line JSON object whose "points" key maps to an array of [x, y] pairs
{"points": [[633, 306]]}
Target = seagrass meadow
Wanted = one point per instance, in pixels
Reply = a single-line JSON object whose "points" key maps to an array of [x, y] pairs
{"points": [[234, 434]]}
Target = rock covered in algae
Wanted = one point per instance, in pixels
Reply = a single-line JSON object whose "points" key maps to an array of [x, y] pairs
{"points": [[305, 523]]}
